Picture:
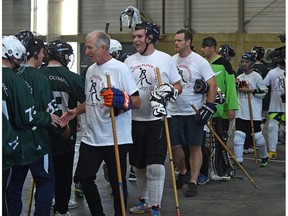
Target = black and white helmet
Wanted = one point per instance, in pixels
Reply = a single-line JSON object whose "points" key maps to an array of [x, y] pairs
{"points": [[226, 51], [13, 48], [32, 43], [115, 48], [258, 51], [150, 29], [60, 51]]}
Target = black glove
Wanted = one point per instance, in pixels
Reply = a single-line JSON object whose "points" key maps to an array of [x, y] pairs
{"points": [[283, 98], [167, 91], [158, 104], [220, 98], [205, 113], [200, 86]]}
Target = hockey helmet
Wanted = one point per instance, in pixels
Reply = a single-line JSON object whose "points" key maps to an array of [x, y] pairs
{"points": [[60, 51], [150, 28]]}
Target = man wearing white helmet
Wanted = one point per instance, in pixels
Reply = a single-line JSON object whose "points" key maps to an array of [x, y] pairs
{"points": [[115, 49], [18, 106]]}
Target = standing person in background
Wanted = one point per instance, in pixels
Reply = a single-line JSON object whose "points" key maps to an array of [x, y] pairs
{"points": [[187, 126], [250, 82], [227, 52], [18, 106], [225, 77], [148, 153], [68, 90], [43, 97], [97, 144], [276, 80]]}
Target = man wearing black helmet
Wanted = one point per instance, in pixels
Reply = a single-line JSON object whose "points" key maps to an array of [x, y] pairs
{"points": [[149, 150], [227, 52], [250, 82], [276, 79], [42, 169], [68, 90]]}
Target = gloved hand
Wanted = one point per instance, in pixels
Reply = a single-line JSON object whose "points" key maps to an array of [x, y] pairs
{"points": [[200, 86], [241, 83], [158, 104], [283, 98], [205, 113], [167, 91], [116, 98]]}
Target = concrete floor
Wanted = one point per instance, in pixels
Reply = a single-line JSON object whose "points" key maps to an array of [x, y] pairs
{"points": [[237, 197]]}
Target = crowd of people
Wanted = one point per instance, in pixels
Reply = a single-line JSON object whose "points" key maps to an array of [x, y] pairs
{"points": [[125, 103]]}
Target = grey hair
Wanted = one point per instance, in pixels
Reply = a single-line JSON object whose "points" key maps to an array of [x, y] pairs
{"points": [[101, 38]]}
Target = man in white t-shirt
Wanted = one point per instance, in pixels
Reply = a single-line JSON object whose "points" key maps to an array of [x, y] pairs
{"points": [[187, 126], [97, 143], [249, 82], [149, 150], [276, 79]]}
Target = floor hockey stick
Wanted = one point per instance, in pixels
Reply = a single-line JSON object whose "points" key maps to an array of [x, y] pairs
{"points": [[170, 153], [252, 127], [227, 149], [116, 153], [31, 197]]}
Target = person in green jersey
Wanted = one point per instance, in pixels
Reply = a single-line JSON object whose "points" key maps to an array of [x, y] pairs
{"points": [[225, 77]]}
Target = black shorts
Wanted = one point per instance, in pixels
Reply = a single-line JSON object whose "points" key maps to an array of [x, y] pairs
{"points": [[245, 125], [149, 143], [185, 131]]}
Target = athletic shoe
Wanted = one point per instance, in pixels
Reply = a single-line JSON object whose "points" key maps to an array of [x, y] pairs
{"points": [[245, 151], [272, 155], [155, 211], [191, 190], [182, 179], [72, 204], [66, 214], [250, 150], [78, 192], [132, 176], [140, 208], [215, 177], [106, 172], [264, 162], [202, 179]]}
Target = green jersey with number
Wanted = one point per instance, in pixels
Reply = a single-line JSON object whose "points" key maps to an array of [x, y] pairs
{"points": [[68, 90], [19, 106]]}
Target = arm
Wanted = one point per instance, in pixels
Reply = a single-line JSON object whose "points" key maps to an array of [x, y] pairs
{"points": [[212, 90], [72, 113], [136, 102]]}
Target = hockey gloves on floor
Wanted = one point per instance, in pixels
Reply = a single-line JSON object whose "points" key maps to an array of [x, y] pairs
{"points": [[167, 91], [205, 113], [119, 100], [158, 104]]}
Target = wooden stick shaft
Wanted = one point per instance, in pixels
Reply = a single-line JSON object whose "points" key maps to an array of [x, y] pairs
{"points": [[169, 152], [116, 152], [31, 197]]}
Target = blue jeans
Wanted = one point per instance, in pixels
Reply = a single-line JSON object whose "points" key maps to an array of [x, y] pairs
{"points": [[43, 174]]}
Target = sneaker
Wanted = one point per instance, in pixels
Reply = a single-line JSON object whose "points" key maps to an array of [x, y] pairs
{"points": [[66, 214], [182, 179], [140, 208], [155, 211], [250, 150], [132, 176], [72, 204], [264, 162], [202, 179], [272, 155], [215, 177], [78, 192], [245, 151], [191, 190], [106, 173]]}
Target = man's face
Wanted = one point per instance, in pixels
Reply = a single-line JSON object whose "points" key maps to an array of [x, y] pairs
{"points": [[245, 64], [139, 40], [92, 51], [206, 51], [180, 43]]}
